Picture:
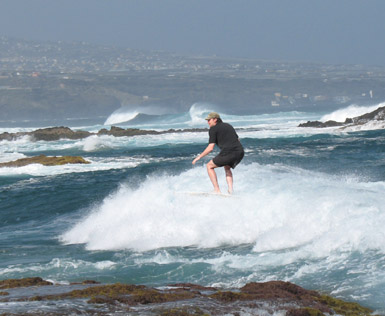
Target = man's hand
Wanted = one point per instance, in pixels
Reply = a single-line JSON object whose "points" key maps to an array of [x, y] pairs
{"points": [[196, 159]]}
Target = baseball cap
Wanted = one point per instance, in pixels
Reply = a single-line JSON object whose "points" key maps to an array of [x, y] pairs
{"points": [[212, 115]]}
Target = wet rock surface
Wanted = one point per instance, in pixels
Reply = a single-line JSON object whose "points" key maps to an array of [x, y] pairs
{"points": [[47, 134], [183, 299], [56, 133], [46, 161], [15, 283]]}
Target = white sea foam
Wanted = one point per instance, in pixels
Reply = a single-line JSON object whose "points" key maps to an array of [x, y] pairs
{"points": [[65, 264], [95, 143], [351, 111], [16, 129], [276, 208], [10, 156], [95, 165], [371, 125]]}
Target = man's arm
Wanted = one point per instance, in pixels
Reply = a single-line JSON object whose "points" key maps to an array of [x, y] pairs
{"points": [[208, 150]]}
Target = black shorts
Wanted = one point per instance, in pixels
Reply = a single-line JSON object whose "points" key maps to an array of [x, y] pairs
{"points": [[231, 158]]}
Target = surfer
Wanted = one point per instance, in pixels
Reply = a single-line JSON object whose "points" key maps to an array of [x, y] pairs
{"points": [[223, 135]]}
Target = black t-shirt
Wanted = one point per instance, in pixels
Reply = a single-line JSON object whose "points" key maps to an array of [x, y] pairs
{"points": [[224, 135]]}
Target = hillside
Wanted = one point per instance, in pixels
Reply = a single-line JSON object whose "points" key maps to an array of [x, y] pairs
{"points": [[66, 80]]}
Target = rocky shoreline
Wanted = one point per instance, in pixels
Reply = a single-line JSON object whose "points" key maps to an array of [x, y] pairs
{"points": [[56, 133], [377, 115], [46, 161], [39, 297], [62, 132]]}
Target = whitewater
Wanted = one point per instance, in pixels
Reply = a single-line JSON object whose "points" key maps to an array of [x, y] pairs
{"points": [[308, 205]]}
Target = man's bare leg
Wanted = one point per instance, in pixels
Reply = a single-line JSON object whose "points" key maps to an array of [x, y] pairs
{"points": [[229, 179], [213, 176]]}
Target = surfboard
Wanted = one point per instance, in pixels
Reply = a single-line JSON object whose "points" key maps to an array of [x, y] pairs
{"points": [[208, 194]]}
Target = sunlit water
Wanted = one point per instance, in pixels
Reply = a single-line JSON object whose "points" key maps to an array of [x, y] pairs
{"points": [[309, 207]]}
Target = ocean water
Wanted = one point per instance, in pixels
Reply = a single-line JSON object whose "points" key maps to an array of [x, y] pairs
{"points": [[309, 206]]}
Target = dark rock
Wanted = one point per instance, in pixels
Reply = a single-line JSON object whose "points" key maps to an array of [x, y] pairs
{"points": [[56, 133], [377, 115], [7, 136], [119, 132], [319, 124], [228, 296], [274, 295], [278, 289], [191, 286], [85, 282], [47, 134], [14, 283], [46, 161]]}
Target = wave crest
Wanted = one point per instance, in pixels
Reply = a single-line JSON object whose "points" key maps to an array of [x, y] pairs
{"points": [[121, 115], [198, 112]]}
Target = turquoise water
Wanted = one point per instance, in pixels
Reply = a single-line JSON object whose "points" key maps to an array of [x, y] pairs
{"points": [[308, 207]]}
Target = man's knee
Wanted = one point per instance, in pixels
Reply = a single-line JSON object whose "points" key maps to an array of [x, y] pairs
{"points": [[211, 165]]}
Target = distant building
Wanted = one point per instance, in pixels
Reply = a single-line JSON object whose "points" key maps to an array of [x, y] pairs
{"points": [[274, 103]]}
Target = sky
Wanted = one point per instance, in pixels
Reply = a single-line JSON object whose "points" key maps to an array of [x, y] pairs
{"points": [[322, 31]]}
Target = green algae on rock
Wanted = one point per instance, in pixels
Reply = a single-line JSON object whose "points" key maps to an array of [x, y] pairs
{"points": [[14, 283], [186, 299], [121, 293], [46, 161], [47, 134], [344, 308]]}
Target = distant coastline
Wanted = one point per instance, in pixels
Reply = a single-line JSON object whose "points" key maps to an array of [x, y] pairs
{"points": [[43, 81]]}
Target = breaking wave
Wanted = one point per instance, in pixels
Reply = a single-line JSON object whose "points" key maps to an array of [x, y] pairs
{"points": [[351, 111], [277, 208]]}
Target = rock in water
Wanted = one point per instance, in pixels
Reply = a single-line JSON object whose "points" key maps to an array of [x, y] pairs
{"points": [[377, 115], [46, 161], [56, 133]]}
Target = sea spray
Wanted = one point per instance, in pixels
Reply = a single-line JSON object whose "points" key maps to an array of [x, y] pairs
{"points": [[275, 208], [198, 112], [351, 111], [121, 115], [128, 113]]}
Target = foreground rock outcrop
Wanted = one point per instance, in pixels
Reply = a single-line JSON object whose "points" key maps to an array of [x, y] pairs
{"points": [[46, 161], [181, 299], [56, 133], [377, 115]]}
